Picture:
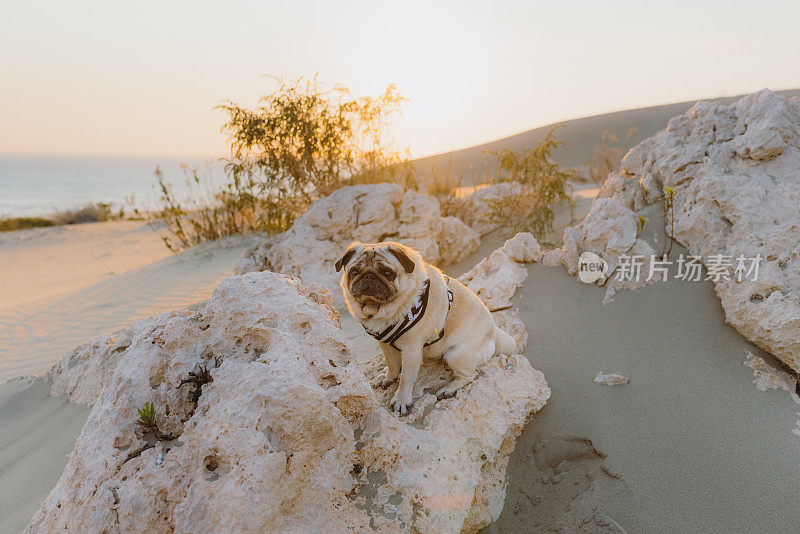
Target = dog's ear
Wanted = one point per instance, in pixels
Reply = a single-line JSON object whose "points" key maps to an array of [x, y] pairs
{"points": [[407, 263], [341, 262], [351, 250]]}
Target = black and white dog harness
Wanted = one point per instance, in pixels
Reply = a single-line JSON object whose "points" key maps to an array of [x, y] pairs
{"points": [[393, 332]]}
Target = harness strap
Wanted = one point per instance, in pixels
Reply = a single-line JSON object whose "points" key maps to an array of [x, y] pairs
{"points": [[440, 335], [393, 332]]}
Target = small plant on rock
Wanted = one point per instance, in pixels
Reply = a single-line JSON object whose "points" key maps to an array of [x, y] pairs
{"points": [[669, 215], [149, 427], [640, 224], [147, 418]]}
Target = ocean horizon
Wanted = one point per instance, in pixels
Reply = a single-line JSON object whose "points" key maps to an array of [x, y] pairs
{"points": [[40, 184]]}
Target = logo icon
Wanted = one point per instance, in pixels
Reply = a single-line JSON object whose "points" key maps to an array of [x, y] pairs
{"points": [[591, 268]]}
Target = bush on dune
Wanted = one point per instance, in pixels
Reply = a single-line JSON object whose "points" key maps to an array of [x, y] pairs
{"points": [[98, 212], [301, 142], [542, 184]]}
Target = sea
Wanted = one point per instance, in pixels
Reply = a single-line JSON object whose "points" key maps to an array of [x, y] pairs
{"points": [[38, 185]]}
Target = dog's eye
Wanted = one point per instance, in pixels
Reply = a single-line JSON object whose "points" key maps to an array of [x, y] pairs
{"points": [[353, 272], [388, 273]]}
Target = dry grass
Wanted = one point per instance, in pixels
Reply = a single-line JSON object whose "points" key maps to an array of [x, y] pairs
{"points": [[11, 224], [606, 156], [444, 185]]}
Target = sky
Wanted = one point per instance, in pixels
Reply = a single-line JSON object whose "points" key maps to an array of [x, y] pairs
{"points": [[141, 78]]}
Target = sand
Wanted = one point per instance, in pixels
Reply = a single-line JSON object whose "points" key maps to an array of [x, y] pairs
{"points": [[62, 286], [698, 446], [36, 434]]}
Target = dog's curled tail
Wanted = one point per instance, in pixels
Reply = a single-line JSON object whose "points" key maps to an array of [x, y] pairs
{"points": [[503, 342]]}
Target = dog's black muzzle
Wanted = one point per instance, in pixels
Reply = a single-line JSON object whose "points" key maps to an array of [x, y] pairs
{"points": [[372, 285]]}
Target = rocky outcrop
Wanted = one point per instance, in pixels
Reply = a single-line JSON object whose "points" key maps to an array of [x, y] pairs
{"points": [[735, 171], [610, 230], [265, 423], [80, 375], [496, 278], [475, 209], [368, 213]]}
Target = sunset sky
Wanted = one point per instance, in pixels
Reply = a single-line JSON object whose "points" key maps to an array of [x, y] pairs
{"points": [[144, 77]]}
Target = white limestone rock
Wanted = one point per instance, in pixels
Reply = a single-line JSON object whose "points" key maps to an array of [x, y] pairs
{"points": [[287, 436], [475, 209], [81, 373], [736, 173], [610, 379], [610, 231], [766, 376], [456, 240], [497, 277], [523, 248], [367, 213]]}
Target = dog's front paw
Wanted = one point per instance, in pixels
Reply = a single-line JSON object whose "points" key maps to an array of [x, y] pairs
{"points": [[401, 403], [384, 380], [451, 389], [445, 393]]}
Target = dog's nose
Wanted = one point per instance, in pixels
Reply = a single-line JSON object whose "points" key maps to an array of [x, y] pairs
{"points": [[369, 284]]}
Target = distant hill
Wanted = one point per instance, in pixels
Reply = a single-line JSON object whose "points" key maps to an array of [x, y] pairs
{"points": [[581, 136]]}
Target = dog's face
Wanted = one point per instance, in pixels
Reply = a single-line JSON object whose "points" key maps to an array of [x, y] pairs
{"points": [[376, 275]]}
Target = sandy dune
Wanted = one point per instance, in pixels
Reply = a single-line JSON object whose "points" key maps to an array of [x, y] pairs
{"points": [[59, 290], [476, 164], [37, 432]]}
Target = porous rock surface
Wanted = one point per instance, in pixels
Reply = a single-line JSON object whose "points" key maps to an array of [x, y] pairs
{"points": [[735, 170], [496, 278], [475, 209], [288, 435], [368, 213], [610, 231]]}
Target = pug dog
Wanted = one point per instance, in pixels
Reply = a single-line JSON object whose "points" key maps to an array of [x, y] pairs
{"points": [[416, 312]]}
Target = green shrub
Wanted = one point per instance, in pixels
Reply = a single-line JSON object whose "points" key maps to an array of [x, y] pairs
{"points": [[300, 142], [541, 182], [147, 418]]}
